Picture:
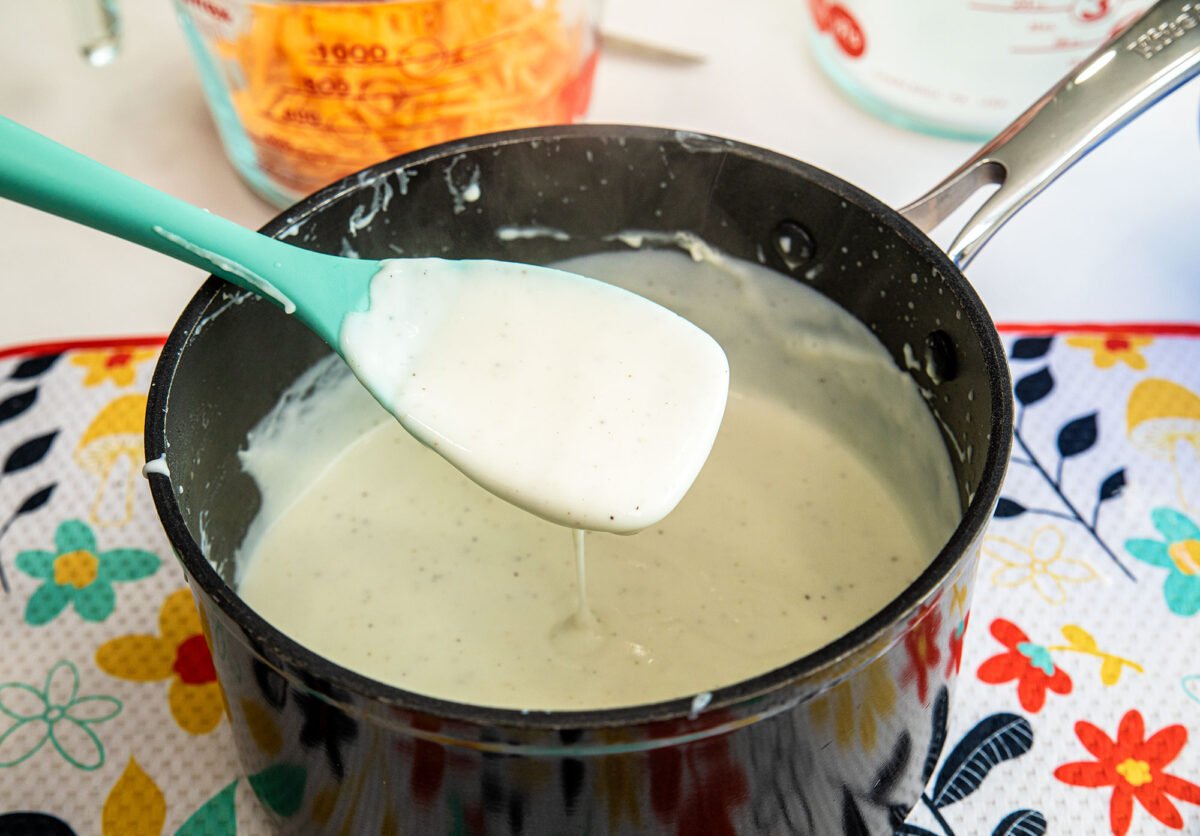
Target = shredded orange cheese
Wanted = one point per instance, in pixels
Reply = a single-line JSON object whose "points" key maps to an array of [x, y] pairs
{"points": [[328, 88]]}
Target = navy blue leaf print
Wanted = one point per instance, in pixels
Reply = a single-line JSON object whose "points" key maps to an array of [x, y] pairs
{"points": [[889, 773], [1077, 436], [14, 405], [1008, 508], [912, 830], [1022, 823], [1031, 348], [36, 500], [271, 683], [897, 813], [853, 823], [941, 718], [1112, 486], [994, 740], [33, 367], [326, 725], [29, 453], [32, 502], [1033, 387], [572, 773], [33, 824]]}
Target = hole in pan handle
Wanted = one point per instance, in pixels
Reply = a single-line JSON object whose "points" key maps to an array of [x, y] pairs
{"points": [[1142, 64]]}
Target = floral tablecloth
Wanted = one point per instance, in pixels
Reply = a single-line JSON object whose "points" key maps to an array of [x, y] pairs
{"points": [[1077, 709]]}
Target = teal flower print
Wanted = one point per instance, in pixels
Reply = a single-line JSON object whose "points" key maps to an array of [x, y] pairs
{"points": [[1179, 553], [56, 713], [75, 573], [1038, 656]]}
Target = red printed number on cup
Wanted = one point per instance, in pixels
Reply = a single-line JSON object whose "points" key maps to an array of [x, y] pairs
{"points": [[835, 19], [847, 32], [1089, 11]]}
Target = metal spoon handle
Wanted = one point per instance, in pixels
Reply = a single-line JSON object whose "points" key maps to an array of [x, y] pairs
{"points": [[1132, 71]]}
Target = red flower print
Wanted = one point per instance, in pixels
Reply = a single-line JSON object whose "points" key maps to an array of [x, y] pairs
{"points": [[428, 763], [954, 663], [921, 643], [118, 364], [193, 661], [1028, 663], [1133, 766], [180, 653], [697, 786], [1110, 349]]}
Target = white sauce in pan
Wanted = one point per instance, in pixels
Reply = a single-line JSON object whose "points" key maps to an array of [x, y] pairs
{"points": [[828, 490]]}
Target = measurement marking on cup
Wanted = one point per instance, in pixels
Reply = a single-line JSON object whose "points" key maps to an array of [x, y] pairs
{"points": [[1153, 41], [421, 58], [352, 53], [340, 89], [1018, 8], [1059, 45], [212, 9]]}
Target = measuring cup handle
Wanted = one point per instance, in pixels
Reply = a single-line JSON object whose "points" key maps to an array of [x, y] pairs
{"points": [[1135, 69]]}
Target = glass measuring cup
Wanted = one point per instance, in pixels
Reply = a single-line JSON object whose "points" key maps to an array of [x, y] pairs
{"points": [[304, 93], [959, 68]]}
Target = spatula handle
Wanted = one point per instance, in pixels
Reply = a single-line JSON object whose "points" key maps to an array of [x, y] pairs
{"points": [[39, 172]]}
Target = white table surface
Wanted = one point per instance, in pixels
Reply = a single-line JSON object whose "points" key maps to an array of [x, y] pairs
{"points": [[1113, 241]]}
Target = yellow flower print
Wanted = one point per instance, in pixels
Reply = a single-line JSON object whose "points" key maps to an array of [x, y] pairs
{"points": [[958, 599], [624, 783], [118, 364], [1163, 420], [1040, 563], [875, 702], [179, 653], [135, 805], [264, 729], [1110, 349], [111, 450]]}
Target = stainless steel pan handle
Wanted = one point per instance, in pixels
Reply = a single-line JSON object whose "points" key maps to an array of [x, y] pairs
{"points": [[1135, 69]]}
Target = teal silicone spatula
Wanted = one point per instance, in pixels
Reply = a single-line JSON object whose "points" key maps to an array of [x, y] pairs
{"points": [[581, 402], [39, 172]]}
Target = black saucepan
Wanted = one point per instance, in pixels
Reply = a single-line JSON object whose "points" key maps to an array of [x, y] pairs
{"points": [[331, 751]]}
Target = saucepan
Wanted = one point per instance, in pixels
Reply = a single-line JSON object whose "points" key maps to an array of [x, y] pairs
{"points": [[330, 751]]}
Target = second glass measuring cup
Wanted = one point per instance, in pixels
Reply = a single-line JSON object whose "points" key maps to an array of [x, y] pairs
{"points": [[304, 93]]}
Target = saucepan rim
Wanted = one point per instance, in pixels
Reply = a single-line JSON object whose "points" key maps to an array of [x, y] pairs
{"points": [[749, 691]]}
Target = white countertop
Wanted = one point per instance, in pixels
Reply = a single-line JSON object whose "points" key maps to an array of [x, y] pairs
{"points": [[1113, 241]]}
